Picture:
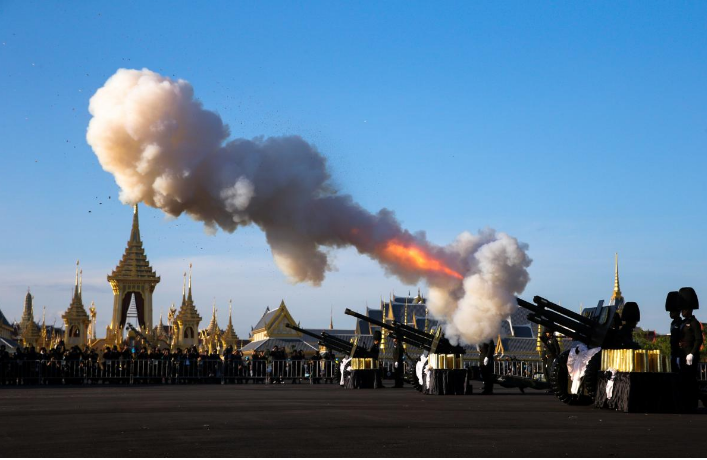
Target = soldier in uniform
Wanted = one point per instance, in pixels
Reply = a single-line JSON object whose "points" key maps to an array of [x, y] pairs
{"points": [[552, 349], [630, 317], [690, 344], [486, 351], [373, 353], [673, 305], [398, 354]]}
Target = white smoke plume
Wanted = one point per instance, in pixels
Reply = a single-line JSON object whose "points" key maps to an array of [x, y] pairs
{"points": [[165, 150]]}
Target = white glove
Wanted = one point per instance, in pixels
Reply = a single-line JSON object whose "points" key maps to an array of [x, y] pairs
{"points": [[486, 361], [688, 359], [396, 364]]}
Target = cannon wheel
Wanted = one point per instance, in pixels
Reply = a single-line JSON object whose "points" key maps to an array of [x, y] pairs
{"points": [[559, 380]]}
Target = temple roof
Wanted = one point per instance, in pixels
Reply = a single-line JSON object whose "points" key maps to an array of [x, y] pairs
{"points": [[187, 311], [76, 311], [265, 319], [134, 263], [4, 321], [287, 344], [518, 345]]}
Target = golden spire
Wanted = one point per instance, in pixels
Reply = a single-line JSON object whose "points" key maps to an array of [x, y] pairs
{"points": [[230, 312], [616, 297], [405, 321], [135, 231], [331, 318], [77, 287], [189, 296], [80, 280], [184, 288], [427, 323], [44, 324]]}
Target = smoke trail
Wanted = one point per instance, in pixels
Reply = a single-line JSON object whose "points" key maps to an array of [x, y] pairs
{"points": [[166, 150]]}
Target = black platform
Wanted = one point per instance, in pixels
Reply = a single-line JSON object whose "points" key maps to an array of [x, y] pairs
{"points": [[361, 379], [448, 382], [648, 392]]}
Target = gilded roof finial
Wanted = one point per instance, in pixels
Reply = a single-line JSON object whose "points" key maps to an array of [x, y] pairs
{"points": [[80, 280], [616, 297], [331, 318], [230, 312], [76, 281], [405, 321], [135, 231], [189, 296], [184, 287]]}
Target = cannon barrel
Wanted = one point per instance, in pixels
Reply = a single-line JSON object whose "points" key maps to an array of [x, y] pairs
{"points": [[412, 336], [331, 342], [396, 326], [590, 328], [334, 339]]}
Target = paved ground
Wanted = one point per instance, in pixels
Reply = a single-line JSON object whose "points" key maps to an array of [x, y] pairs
{"points": [[325, 420]]}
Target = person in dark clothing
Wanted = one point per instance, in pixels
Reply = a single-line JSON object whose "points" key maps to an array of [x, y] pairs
{"points": [[328, 366], [673, 305], [486, 352], [690, 344], [398, 356], [374, 350], [630, 317], [374, 353], [551, 349]]}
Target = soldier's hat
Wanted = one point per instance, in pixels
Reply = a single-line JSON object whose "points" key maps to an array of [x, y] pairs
{"points": [[674, 301], [690, 297], [631, 312], [377, 335]]}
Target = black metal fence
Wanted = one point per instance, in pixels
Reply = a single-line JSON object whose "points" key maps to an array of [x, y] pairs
{"points": [[215, 371], [78, 372]]}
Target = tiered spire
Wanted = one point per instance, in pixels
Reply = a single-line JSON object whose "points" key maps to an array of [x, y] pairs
{"points": [[189, 292], [213, 325], [331, 318], [187, 311], [229, 337], [28, 312], [134, 263], [76, 320], [616, 297]]}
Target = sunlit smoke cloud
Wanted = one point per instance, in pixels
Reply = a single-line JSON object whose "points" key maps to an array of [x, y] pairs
{"points": [[165, 150]]}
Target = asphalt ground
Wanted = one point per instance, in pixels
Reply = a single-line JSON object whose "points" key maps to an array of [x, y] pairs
{"points": [[326, 420]]}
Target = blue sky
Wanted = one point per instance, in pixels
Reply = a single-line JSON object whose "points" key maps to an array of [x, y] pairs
{"points": [[581, 129]]}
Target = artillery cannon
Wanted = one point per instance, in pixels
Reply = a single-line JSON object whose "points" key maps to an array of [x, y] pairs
{"points": [[595, 329], [336, 344], [432, 343], [438, 352]]}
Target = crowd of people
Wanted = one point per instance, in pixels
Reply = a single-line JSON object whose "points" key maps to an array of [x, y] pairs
{"points": [[143, 364]]}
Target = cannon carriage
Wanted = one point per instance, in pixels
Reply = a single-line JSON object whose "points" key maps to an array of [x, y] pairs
{"points": [[603, 366]]}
